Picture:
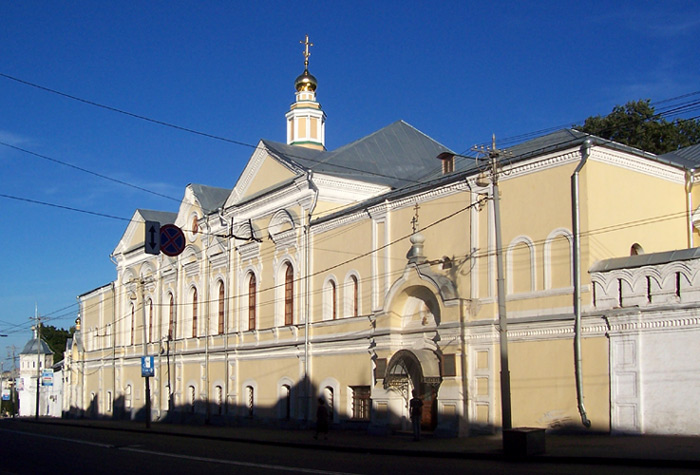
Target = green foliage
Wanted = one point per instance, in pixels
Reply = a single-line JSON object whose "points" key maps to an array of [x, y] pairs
{"points": [[56, 339], [638, 125]]}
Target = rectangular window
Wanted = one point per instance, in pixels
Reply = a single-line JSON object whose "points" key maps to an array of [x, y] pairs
{"points": [[380, 369], [449, 367], [361, 402]]}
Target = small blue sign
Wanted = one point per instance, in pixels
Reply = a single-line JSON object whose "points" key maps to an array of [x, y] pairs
{"points": [[147, 367]]}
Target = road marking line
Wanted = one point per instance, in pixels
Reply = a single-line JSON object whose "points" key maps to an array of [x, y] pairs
{"points": [[242, 464], [189, 457], [55, 437]]}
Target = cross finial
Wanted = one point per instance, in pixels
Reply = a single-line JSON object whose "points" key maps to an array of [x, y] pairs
{"points": [[307, 45], [414, 220]]}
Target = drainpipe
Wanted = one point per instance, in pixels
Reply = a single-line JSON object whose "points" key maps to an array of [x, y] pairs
{"points": [[307, 291], [207, 293], [689, 178], [575, 217]]}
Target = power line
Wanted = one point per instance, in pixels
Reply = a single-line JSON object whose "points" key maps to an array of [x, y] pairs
{"points": [[85, 170], [190, 130], [68, 208]]}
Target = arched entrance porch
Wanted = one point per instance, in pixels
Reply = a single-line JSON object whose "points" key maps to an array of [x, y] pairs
{"points": [[416, 369]]}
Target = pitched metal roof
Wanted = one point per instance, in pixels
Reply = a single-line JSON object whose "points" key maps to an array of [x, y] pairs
{"points": [[162, 217], [688, 157], [395, 155], [210, 198]]}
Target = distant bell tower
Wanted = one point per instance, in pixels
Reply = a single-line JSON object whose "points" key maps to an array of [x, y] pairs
{"points": [[306, 122]]}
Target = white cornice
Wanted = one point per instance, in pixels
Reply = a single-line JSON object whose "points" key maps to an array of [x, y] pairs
{"points": [[252, 168], [378, 211], [598, 154], [346, 191], [593, 326], [638, 164], [297, 193]]}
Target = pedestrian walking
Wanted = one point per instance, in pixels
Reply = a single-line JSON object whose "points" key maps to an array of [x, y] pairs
{"points": [[322, 419], [416, 411]]}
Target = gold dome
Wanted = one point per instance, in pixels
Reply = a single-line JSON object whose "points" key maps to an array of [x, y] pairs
{"points": [[305, 82]]}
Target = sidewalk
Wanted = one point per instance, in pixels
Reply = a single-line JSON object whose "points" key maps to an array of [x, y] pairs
{"points": [[660, 451]]}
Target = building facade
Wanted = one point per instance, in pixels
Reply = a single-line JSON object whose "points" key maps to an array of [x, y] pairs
{"points": [[362, 273], [35, 360]]}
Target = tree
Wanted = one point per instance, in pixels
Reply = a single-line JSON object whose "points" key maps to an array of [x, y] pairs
{"points": [[638, 125], [56, 339]]}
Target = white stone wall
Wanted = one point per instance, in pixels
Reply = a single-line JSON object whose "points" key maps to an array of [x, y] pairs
{"points": [[653, 317]]}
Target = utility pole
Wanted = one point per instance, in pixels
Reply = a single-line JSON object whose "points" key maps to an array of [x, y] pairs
{"points": [[12, 352], [493, 155], [142, 282], [37, 325]]}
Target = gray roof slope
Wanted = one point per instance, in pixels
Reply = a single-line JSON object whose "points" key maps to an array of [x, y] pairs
{"points": [[395, 155], [31, 348], [557, 140], [467, 166], [688, 157], [163, 217], [210, 198]]}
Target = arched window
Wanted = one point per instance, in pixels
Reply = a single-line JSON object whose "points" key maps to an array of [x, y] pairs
{"points": [[329, 396], [194, 312], [150, 320], [558, 262], [192, 398], [334, 300], [289, 295], [330, 300], [171, 322], [127, 397], [520, 266], [219, 395], [133, 323], [354, 296], [252, 290], [287, 401], [222, 306], [250, 403]]}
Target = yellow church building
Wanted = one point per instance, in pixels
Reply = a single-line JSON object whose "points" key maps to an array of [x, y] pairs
{"points": [[362, 273]]}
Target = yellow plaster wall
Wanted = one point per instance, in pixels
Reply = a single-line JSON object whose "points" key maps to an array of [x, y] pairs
{"points": [[270, 174], [267, 374], [543, 385], [624, 207], [336, 253]]}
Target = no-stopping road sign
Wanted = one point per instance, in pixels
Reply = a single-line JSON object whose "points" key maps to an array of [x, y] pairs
{"points": [[172, 240]]}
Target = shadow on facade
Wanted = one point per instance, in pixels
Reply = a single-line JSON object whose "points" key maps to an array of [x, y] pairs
{"points": [[294, 408]]}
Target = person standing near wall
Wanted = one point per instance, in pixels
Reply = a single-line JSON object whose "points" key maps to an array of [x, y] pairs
{"points": [[322, 419], [416, 411]]}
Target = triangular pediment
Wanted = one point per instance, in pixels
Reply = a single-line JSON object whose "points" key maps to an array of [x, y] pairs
{"points": [[133, 237], [264, 171]]}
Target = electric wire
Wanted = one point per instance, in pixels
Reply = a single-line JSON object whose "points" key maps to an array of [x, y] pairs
{"points": [[671, 110]]}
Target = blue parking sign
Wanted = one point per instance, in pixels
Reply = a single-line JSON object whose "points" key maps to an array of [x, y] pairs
{"points": [[147, 367]]}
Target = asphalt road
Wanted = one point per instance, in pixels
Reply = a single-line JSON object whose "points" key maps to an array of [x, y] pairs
{"points": [[38, 448]]}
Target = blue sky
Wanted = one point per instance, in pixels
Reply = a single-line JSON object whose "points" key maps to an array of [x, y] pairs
{"points": [[458, 71]]}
